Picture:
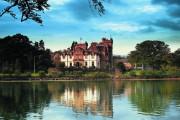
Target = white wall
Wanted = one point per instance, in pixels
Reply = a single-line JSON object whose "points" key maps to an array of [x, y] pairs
{"points": [[67, 60], [91, 59]]}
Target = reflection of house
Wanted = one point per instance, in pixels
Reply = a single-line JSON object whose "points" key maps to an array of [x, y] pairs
{"points": [[91, 96], [80, 100], [98, 55], [86, 100]]}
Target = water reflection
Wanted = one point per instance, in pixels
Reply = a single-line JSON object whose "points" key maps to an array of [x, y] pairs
{"points": [[103, 98], [16, 100], [84, 97], [153, 97]]}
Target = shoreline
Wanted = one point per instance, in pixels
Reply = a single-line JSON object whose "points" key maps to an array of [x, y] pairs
{"points": [[146, 79], [84, 79]]}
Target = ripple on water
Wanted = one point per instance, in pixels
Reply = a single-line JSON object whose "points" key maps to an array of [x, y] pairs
{"points": [[178, 106], [34, 116], [156, 113]]}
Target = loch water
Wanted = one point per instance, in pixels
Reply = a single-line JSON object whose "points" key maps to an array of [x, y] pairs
{"points": [[90, 100]]}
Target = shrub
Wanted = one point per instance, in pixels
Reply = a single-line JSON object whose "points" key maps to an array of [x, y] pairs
{"points": [[42, 73], [131, 73], [27, 74], [97, 75], [35, 75], [153, 73], [171, 73]]}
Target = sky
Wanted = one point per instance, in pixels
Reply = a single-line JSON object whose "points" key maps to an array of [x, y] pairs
{"points": [[128, 22]]}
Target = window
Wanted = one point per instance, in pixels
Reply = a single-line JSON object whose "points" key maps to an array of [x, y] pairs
{"points": [[70, 56], [93, 63], [92, 56], [86, 64], [77, 64], [70, 64]]}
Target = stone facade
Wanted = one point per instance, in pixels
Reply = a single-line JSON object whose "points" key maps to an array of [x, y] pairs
{"points": [[97, 55]]}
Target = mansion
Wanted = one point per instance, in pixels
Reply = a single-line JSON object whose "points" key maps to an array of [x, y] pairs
{"points": [[96, 55]]}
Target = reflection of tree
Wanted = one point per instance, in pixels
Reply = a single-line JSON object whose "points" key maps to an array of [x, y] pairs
{"points": [[175, 92], [152, 97], [118, 87], [106, 98], [17, 100]]}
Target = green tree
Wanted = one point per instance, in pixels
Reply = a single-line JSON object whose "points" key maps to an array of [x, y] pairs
{"points": [[176, 58], [152, 53], [133, 57], [18, 54], [41, 44], [30, 9], [44, 60]]}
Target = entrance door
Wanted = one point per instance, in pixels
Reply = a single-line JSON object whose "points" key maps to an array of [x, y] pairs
{"points": [[77, 64]]}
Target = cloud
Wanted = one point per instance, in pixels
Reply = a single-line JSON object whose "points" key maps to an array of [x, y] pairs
{"points": [[166, 2], [148, 29], [173, 7], [119, 27], [58, 2], [174, 11], [149, 9], [80, 9], [168, 24], [115, 2]]}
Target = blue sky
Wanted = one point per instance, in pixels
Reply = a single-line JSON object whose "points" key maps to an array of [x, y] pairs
{"points": [[128, 22]]}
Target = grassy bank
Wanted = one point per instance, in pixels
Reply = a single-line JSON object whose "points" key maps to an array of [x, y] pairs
{"points": [[151, 74], [59, 75], [91, 75], [83, 74]]}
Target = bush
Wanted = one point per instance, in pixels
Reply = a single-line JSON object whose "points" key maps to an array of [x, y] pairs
{"points": [[169, 68], [4, 75], [27, 74], [153, 73], [97, 75], [42, 73], [131, 73], [13, 75], [35, 75], [170, 73]]}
